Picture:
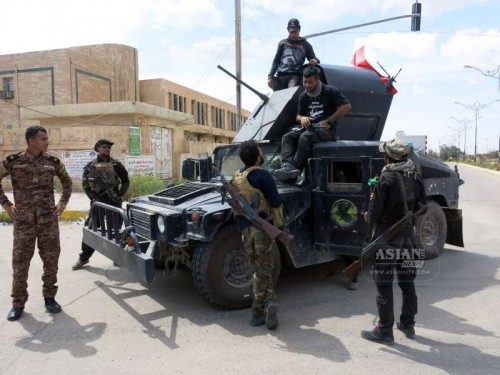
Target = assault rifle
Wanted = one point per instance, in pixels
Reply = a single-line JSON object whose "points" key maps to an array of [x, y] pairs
{"points": [[234, 198], [104, 184], [373, 246]]}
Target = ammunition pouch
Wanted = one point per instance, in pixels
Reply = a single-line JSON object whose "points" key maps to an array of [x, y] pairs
{"points": [[278, 217]]}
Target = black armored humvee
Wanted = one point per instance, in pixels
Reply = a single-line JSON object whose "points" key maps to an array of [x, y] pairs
{"points": [[188, 225]]}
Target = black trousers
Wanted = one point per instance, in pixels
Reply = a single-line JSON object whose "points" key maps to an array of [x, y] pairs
{"points": [[297, 145], [87, 251], [287, 81], [384, 271]]}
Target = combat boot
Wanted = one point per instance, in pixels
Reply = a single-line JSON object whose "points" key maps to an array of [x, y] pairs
{"points": [[287, 173], [257, 320], [352, 284], [15, 313], [407, 329], [376, 336], [272, 314], [52, 306], [79, 264]]}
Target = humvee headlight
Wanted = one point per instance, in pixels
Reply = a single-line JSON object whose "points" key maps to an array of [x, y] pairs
{"points": [[195, 216], [160, 224]]}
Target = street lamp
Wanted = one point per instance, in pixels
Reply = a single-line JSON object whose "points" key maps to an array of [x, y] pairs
{"points": [[465, 122], [476, 107], [488, 73]]}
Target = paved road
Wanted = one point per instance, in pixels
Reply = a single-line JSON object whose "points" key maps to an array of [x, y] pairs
{"points": [[112, 323]]}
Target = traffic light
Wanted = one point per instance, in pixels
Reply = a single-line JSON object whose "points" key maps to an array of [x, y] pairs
{"points": [[415, 20]]}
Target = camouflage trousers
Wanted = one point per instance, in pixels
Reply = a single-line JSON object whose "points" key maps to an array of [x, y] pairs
{"points": [[46, 235], [260, 249]]}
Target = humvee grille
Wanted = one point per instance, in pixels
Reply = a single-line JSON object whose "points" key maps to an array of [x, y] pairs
{"points": [[143, 222], [181, 193]]}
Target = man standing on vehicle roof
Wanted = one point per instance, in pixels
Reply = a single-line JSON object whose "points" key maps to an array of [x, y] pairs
{"points": [[289, 59], [399, 190], [114, 176], [320, 108], [258, 188]]}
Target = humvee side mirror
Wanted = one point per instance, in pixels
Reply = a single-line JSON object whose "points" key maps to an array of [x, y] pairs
{"points": [[190, 169], [197, 169], [205, 167]]}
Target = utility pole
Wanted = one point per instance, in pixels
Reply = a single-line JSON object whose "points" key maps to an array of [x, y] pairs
{"points": [[237, 37], [465, 122], [476, 107]]}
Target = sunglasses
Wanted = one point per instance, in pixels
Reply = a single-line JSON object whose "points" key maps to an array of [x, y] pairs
{"points": [[105, 146], [292, 30]]}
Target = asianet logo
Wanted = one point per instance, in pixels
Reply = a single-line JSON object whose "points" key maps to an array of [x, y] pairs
{"points": [[406, 257]]}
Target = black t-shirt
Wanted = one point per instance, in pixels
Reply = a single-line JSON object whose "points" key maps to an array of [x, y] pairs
{"points": [[322, 106]]}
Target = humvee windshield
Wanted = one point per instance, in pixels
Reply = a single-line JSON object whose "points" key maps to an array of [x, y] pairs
{"points": [[232, 163]]}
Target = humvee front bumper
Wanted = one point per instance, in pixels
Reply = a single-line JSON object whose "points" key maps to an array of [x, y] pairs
{"points": [[124, 248]]}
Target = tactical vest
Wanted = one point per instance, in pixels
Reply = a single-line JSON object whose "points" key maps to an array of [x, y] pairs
{"points": [[106, 168], [253, 196]]}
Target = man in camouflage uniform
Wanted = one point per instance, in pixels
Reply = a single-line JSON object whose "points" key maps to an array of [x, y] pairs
{"points": [[104, 180], [252, 181], [35, 216]]}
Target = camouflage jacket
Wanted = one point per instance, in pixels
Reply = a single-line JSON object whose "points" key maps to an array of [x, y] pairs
{"points": [[33, 185]]}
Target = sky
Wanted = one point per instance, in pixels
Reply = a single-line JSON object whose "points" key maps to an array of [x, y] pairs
{"points": [[184, 41]]}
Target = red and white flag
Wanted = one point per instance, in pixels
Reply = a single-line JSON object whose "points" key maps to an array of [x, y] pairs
{"points": [[359, 61]]}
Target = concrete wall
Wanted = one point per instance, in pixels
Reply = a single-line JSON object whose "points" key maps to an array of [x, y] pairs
{"points": [[82, 94]]}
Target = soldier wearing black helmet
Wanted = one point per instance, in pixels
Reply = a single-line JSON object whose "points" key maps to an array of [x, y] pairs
{"points": [[104, 180], [400, 189], [289, 59]]}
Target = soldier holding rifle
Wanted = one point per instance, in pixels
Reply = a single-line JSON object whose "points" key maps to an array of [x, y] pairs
{"points": [[104, 180], [258, 189], [398, 193]]}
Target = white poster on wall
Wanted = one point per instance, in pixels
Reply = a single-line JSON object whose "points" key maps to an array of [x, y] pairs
{"points": [[140, 165], [75, 161]]}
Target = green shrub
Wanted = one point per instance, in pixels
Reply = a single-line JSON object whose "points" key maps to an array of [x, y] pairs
{"points": [[144, 185], [5, 217]]}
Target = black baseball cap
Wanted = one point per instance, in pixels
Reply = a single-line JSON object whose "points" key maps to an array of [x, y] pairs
{"points": [[101, 142], [293, 24]]}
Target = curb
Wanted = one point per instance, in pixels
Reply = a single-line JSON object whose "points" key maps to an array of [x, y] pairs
{"points": [[72, 215], [67, 215]]}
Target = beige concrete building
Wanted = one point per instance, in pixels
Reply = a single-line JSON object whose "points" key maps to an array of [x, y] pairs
{"points": [[81, 94]]}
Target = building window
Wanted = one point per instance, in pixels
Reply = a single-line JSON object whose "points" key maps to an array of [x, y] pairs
{"points": [[231, 120], [217, 117], [8, 84], [177, 102], [200, 112], [7, 89]]}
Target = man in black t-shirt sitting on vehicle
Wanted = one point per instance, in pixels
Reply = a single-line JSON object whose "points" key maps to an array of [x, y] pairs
{"points": [[320, 108]]}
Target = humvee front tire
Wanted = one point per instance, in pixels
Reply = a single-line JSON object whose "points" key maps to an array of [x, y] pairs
{"points": [[431, 229], [222, 272]]}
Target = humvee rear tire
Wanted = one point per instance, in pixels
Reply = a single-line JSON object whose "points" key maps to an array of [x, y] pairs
{"points": [[222, 272], [431, 229]]}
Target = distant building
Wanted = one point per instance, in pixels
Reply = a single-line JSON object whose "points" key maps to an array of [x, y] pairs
{"points": [[82, 94], [419, 142]]}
